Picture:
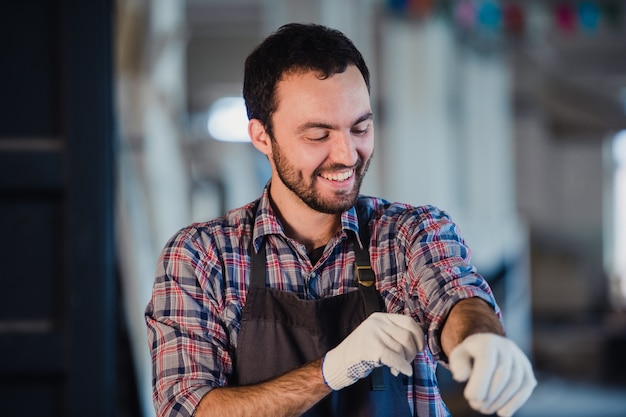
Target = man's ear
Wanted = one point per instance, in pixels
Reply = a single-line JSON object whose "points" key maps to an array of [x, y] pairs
{"points": [[259, 136]]}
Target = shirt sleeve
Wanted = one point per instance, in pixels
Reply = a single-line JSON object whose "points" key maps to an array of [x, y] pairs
{"points": [[439, 272], [188, 345]]}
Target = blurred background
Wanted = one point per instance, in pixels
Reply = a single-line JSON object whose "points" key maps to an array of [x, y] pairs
{"points": [[121, 122]]}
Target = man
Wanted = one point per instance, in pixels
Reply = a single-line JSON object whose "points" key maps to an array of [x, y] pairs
{"points": [[273, 309]]}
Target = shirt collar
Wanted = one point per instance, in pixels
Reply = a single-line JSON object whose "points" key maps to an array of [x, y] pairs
{"points": [[266, 222]]}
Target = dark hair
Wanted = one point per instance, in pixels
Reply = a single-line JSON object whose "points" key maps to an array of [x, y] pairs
{"points": [[293, 48]]}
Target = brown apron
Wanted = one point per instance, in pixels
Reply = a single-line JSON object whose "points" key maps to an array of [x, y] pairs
{"points": [[281, 332]]}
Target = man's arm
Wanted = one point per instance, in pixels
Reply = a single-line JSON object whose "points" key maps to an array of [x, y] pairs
{"points": [[288, 395], [467, 317]]}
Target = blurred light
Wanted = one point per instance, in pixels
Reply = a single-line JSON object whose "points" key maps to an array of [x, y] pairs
{"points": [[490, 15], [618, 223], [619, 147], [465, 14], [228, 121], [589, 15]]}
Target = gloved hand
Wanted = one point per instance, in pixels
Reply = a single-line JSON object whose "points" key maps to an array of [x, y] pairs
{"points": [[382, 339], [500, 375]]}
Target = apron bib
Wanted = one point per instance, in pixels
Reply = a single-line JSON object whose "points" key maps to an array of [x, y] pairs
{"points": [[281, 332]]}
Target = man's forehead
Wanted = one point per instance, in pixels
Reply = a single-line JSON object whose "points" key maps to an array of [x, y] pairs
{"points": [[306, 97], [300, 83]]}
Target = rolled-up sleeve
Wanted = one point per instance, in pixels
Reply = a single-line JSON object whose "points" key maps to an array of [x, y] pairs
{"points": [[188, 344], [440, 272]]}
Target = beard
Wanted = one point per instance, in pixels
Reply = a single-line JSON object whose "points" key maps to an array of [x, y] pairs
{"points": [[294, 180]]}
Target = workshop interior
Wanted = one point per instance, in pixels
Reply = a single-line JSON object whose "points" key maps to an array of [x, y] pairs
{"points": [[122, 121]]}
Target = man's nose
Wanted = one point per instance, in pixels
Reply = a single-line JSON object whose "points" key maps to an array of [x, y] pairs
{"points": [[344, 149]]}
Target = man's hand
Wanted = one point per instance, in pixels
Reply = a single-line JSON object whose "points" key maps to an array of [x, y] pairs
{"points": [[500, 377], [382, 339]]}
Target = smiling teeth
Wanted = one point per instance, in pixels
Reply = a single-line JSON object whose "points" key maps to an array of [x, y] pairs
{"points": [[342, 176]]}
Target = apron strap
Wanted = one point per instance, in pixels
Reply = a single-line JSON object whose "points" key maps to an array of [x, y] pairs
{"points": [[257, 260], [367, 285], [364, 274], [257, 266]]}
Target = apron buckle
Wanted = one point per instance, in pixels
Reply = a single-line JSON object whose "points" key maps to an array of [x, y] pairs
{"points": [[364, 275]]}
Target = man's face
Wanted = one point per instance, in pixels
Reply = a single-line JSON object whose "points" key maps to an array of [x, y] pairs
{"points": [[323, 138]]}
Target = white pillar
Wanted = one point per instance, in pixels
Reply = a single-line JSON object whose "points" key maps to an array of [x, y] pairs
{"points": [[417, 143]]}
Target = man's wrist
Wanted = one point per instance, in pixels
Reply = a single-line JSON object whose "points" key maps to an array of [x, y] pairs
{"points": [[467, 317]]}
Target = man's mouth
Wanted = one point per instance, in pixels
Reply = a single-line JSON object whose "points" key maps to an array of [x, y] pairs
{"points": [[338, 176]]}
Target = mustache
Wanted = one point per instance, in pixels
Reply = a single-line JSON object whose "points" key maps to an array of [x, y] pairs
{"points": [[341, 167]]}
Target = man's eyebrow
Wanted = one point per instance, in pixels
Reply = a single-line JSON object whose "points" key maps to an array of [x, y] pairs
{"points": [[313, 125], [318, 125], [366, 116]]}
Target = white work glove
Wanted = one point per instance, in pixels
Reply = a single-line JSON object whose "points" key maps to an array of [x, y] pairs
{"points": [[500, 376], [382, 339]]}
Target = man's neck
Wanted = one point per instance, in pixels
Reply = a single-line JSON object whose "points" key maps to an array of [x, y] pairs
{"points": [[310, 227]]}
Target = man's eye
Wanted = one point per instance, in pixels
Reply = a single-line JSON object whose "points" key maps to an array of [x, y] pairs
{"points": [[318, 138], [361, 130]]}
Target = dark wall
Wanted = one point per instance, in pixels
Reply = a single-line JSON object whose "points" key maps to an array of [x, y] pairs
{"points": [[57, 280]]}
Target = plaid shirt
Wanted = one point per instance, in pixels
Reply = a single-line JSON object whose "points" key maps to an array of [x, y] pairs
{"points": [[421, 263]]}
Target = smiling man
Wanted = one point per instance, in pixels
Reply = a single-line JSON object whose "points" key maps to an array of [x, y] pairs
{"points": [[315, 300], [318, 157]]}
